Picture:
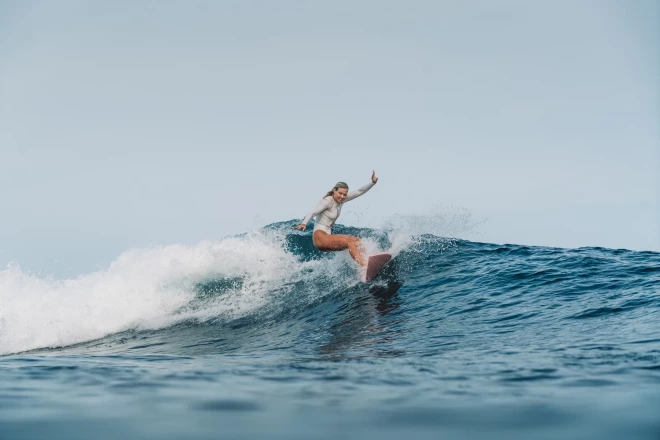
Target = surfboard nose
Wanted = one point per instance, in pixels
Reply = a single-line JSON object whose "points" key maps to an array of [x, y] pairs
{"points": [[376, 263]]}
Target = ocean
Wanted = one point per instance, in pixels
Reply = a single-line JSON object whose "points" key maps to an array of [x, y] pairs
{"points": [[262, 336]]}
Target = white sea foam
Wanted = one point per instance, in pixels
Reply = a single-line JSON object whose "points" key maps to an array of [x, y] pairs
{"points": [[142, 288]]}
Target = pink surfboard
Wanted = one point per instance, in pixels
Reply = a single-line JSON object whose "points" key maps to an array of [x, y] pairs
{"points": [[376, 263]]}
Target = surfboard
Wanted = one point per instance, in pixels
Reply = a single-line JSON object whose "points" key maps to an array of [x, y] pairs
{"points": [[375, 264]]}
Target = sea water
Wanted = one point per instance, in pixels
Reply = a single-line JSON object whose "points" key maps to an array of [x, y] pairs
{"points": [[262, 336]]}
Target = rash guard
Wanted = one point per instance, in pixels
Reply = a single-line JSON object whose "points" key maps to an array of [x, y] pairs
{"points": [[327, 211]]}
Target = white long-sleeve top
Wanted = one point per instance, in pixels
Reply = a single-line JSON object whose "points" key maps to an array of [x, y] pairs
{"points": [[327, 211]]}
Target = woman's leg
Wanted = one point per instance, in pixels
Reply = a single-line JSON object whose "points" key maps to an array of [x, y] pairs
{"points": [[331, 242]]}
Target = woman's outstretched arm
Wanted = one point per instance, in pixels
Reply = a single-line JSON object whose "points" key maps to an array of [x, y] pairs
{"points": [[322, 206]]}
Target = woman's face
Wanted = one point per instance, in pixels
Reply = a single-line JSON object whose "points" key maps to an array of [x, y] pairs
{"points": [[339, 194]]}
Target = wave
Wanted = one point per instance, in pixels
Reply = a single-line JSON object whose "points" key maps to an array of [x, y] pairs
{"points": [[275, 273], [161, 286]]}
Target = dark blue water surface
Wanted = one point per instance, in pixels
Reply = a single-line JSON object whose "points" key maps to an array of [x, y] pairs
{"points": [[261, 336]]}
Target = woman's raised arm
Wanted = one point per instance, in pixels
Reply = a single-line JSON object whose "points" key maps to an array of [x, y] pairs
{"points": [[363, 189]]}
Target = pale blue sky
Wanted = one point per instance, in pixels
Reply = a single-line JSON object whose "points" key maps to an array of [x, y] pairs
{"points": [[125, 124]]}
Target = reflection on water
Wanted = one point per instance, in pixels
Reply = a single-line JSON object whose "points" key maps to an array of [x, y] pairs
{"points": [[386, 296], [365, 322]]}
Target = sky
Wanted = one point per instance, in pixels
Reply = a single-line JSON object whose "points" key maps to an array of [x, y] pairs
{"points": [[138, 123]]}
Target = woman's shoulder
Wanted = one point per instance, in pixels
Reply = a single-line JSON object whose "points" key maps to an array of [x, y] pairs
{"points": [[328, 200]]}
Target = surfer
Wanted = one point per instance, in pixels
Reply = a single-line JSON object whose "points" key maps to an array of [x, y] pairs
{"points": [[327, 212]]}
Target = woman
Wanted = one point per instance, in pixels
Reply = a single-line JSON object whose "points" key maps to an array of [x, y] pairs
{"points": [[327, 212]]}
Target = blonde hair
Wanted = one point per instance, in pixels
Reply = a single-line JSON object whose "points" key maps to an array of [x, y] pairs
{"points": [[336, 187]]}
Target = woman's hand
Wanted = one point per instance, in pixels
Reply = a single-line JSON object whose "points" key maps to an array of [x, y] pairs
{"points": [[374, 179], [301, 226]]}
